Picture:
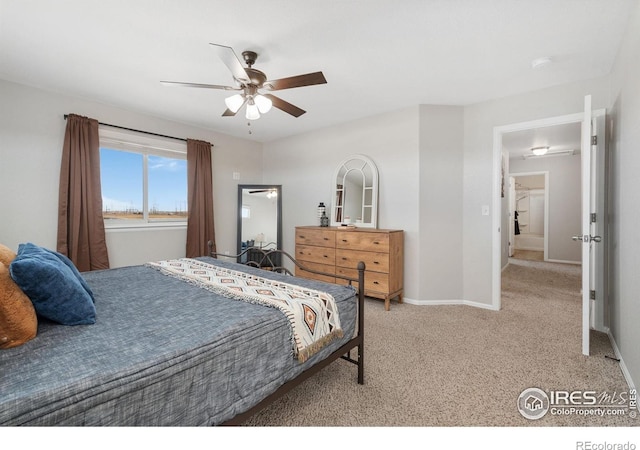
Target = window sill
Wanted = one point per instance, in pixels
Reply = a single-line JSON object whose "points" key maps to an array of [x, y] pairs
{"points": [[141, 226]]}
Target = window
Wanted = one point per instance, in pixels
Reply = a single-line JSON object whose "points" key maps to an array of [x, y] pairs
{"points": [[121, 176], [144, 182]]}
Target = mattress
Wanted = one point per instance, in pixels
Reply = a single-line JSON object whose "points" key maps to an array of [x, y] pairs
{"points": [[161, 353]]}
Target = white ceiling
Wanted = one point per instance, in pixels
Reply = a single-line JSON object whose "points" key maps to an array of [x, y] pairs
{"points": [[556, 137], [377, 55]]}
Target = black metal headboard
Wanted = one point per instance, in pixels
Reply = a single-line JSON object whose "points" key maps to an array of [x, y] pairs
{"points": [[272, 259]]}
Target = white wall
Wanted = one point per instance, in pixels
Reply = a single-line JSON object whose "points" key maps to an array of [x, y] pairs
{"points": [[624, 200], [305, 164], [564, 202], [440, 258], [31, 134], [418, 152]]}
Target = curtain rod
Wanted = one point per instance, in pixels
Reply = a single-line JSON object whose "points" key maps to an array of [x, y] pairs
{"points": [[137, 131]]}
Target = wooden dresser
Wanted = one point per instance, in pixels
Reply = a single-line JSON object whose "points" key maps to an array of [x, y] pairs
{"points": [[336, 250]]}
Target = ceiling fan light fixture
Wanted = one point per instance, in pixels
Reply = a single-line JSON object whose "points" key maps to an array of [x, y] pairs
{"points": [[263, 103], [248, 80], [539, 151], [252, 111], [234, 102]]}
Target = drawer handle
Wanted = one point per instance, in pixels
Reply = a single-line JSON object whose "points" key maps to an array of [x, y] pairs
{"points": [[376, 242], [326, 238], [375, 282], [376, 262], [344, 240], [302, 237], [344, 259]]}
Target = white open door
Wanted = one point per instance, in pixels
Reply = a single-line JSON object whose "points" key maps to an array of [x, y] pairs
{"points": [[598, 248], [586, 224], [592, 187], [512, 211]]}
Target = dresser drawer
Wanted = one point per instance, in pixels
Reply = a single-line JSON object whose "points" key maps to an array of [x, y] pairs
{"points": [[340, 249], [321, 255], [363, 240], [315, 276], [321, 238], [373, 261], [374, 282]]}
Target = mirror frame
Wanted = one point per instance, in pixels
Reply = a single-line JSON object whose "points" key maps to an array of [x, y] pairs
{"points": [[278, 189], [374, 194]]}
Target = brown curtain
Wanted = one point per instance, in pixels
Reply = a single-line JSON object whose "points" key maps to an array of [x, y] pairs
{"points": [[80, 223], [200, 228]]}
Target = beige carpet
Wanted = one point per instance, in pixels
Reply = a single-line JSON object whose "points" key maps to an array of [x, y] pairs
{"points": [[463, 366], [531, 255]]}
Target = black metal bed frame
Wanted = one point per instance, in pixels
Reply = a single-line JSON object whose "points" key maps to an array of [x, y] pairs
{"points": [[268, 262]]}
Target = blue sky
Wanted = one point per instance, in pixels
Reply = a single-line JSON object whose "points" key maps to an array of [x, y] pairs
{"points": [[121, 177]]}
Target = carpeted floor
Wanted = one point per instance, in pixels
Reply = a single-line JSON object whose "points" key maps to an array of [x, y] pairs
{"points": [[461, 365], [531, 255]]}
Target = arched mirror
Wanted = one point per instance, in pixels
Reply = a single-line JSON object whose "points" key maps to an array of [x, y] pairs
{"points": [[355, 193], [259, 219]]}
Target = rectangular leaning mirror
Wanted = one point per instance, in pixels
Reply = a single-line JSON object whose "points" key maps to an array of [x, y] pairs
{"points": [[259, 220]]}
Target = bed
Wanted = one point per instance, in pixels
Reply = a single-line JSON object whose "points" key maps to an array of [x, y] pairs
{"points": [[168, 352]]}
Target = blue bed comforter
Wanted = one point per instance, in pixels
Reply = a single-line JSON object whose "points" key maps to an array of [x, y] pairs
{"points": [[161, 353]]}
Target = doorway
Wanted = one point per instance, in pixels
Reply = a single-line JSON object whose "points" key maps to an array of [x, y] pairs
{"points": [[529, 216], [500, 218]]}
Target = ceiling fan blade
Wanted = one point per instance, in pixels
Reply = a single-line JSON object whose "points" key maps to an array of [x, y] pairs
{"points": [[308, 79], [200, 85], [230, 59], [261, 190], [285, 106]]}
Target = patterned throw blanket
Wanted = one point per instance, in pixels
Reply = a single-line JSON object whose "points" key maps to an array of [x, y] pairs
{"points": [[313, 315]]}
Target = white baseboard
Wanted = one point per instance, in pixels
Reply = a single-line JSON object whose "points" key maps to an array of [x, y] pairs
{"points": [[479, 305], [604, 330], [448, 302], [623, 367], [531, 249], [561, 261]]}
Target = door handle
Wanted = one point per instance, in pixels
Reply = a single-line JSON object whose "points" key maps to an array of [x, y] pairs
{"points": [[587, 238]]}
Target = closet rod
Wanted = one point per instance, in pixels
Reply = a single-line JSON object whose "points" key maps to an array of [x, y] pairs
{"points": [[138, 131]]}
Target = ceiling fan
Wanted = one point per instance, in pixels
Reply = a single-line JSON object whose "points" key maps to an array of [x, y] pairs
{"points": [[249, 81]]}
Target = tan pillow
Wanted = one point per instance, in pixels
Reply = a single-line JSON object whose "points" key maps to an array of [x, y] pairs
{"points": [[6, 255], [18, 321]]}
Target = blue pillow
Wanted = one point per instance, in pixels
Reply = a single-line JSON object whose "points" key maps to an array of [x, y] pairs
{"points": [[73, 268], [53, 287]]}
